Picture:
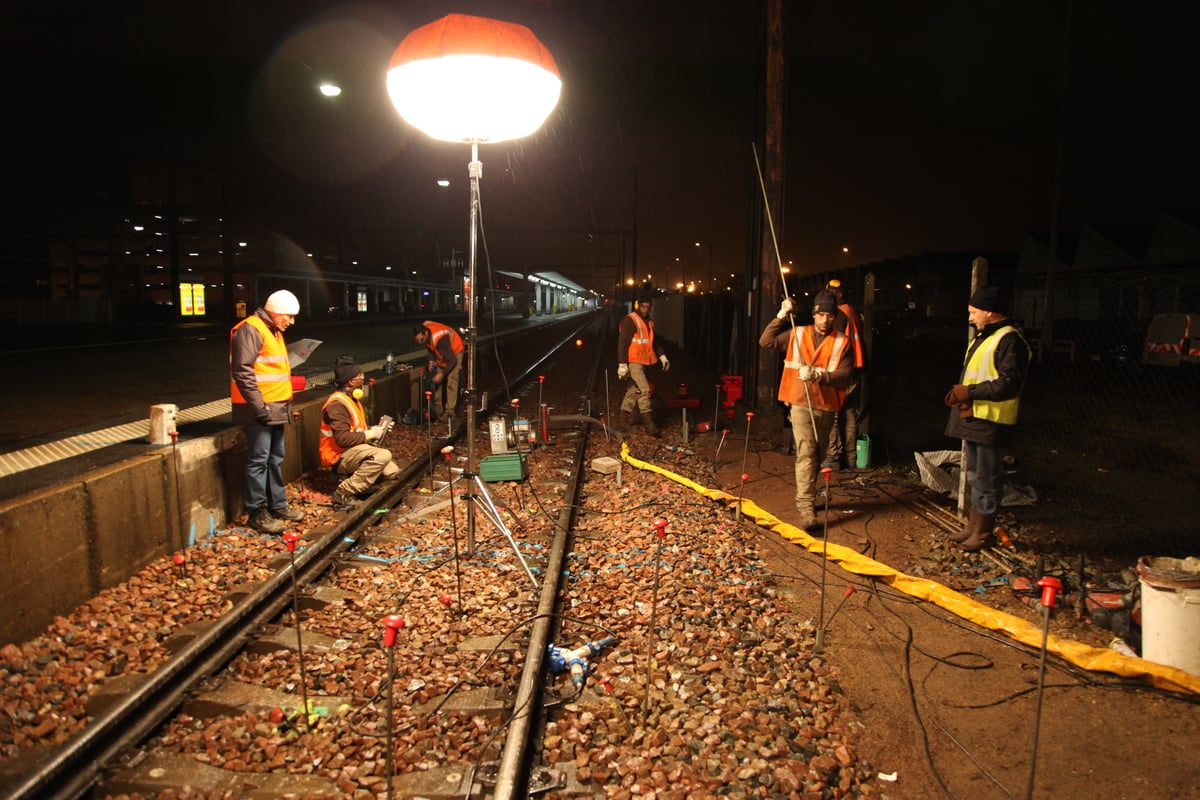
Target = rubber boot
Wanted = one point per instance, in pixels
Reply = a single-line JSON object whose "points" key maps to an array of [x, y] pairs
{"points": [[982, 537], [969, 529]]}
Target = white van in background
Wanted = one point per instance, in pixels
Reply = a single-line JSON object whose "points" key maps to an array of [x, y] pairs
{"points": [[1172, 339]]}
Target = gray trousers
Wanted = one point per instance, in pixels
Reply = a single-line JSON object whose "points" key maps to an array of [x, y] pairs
{"points": [[985, 473]]}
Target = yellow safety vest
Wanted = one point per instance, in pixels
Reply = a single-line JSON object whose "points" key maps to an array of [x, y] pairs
{"points": [[981, 367]]}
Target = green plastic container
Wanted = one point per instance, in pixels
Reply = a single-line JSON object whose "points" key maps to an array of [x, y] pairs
{"points": [[503, 467], [863, 452]]}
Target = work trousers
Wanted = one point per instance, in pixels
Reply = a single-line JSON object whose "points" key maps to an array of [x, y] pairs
{"points": [[637, 396], [985, 473], [364, 464], [844, 439], [810, 447], [449, 385], [264, 467]]}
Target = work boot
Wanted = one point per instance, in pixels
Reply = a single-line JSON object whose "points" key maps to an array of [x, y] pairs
{"points": [[969, 529], [627, 420], [806, 518], [648, 424], [342, 501], [982, 537], [288, 513], [262, 521]]}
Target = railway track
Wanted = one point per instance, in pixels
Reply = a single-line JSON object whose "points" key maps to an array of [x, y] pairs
{"points": [[608, 631], [89, 755]]}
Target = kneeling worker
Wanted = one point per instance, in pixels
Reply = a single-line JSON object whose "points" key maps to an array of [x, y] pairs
{"points": [[346, 441]]}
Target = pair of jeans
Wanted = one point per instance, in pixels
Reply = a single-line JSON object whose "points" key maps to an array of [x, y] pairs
{"points": [[985, 473], [264, 467]]}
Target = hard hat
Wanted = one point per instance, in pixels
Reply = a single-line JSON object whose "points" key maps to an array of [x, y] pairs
{"points": [[282, 302]]}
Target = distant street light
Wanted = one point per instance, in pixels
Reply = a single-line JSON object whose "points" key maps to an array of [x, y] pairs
{"points": [[330, 89], [710, 262]]}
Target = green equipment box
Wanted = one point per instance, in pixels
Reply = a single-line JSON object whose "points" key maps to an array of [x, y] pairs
{"points": [[503, 467]]}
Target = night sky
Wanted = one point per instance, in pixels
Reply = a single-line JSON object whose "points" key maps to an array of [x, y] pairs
{"points": [[910, 126]]}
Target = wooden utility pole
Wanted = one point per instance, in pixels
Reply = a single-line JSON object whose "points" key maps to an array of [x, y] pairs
{"points": [[765, 284]]}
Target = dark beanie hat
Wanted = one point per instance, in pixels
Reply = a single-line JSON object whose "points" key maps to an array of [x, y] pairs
{"points": [[824, 303], [345, 371], [988, 299]]}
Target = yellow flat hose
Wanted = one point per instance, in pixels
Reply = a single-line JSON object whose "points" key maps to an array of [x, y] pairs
{"points": [[1096, 659]]}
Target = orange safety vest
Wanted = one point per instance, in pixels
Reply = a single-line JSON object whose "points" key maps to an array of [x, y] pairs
{"points": [[329, 448], [436, 331], [796, 392], [641, 347], [852, 330], [272, 372]]}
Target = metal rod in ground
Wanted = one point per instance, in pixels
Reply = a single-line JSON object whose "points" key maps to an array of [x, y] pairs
{"points": [[1051, 586], [290, 538], [391, 624], [660, 528], [824, 560], [746, 442], [716, 411], [429, 434], [720, 444], [175, 468], [741, 489], [849, 591], [454, 536]]}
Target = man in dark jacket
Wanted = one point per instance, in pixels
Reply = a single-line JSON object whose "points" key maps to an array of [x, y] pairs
{"points": [[983, 409], [260, 390]]}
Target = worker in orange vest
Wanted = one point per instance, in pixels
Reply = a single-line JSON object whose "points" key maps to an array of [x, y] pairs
{"points": [[260, 390], [446, 347], [843, 442], [348, 446], [636, 350], [817, 368]]}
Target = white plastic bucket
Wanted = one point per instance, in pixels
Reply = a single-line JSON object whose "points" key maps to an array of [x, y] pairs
{"points": [[1171, 611]]}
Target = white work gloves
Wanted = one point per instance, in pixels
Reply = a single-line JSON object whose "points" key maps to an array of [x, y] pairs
{"points": [[374, 433], [666, 364], [808, 373], [785, 308], [622, 371]]}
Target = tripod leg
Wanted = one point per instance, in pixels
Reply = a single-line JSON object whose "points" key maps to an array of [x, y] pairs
{"points": [[489, 510]]}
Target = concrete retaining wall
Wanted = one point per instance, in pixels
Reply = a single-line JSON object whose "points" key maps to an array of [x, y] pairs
{"points": [[61, 545]]}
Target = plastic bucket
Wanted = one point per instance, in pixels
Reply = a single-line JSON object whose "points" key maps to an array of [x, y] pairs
{"points": [[1171, 611], [862, 452]]}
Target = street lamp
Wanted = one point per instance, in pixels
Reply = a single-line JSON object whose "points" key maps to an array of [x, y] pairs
{"points": [[473, 80]]}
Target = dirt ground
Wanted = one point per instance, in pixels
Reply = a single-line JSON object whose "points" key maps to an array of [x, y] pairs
{"points": [[943, 706]]}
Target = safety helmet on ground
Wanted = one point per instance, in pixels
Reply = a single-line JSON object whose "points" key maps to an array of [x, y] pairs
{"points": [[282, 302]]}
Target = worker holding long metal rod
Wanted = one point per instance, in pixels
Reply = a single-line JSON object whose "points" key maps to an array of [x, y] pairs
{"points": [[817, 367]]}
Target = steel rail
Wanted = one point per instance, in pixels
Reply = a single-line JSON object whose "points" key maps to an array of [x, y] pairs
{"points": [[73, 769]]}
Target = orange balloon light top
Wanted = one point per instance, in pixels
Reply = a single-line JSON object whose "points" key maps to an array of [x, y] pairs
{"points": [[473, 79]]}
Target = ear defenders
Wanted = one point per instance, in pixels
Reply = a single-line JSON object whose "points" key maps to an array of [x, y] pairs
{"points": [[357, 394]]}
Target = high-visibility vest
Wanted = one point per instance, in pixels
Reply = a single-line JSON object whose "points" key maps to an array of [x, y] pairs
{"points": [[329, 448], [641, 347], [436, 331], [981, 367], [801, 351], [272, 372], [852, 330]]}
